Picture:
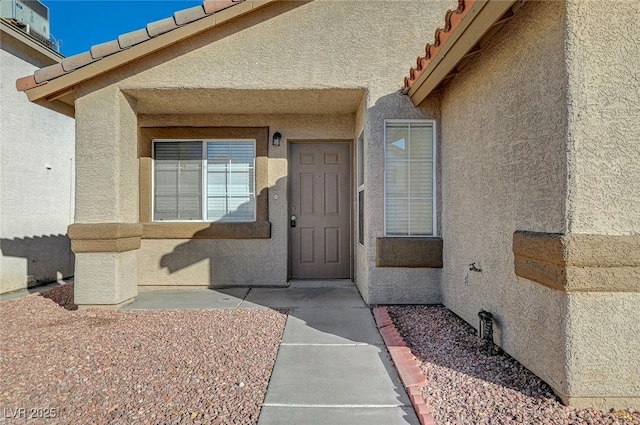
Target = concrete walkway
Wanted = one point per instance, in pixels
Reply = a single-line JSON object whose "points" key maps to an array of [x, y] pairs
{"points": [[332, 366]]}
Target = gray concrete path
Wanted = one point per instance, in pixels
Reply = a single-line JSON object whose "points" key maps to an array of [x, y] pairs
{"points": [[332, 367], [34, 290]]}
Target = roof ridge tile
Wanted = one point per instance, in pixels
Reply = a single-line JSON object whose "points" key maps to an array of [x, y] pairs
{"points": [[76, 61], [48, 73], [132, 38], [185, 16], [160, 27], [105, 49], [213, 6]]}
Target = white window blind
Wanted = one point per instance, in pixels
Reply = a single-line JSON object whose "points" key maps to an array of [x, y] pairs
{"points": [[231, 177], [178, 180], [228, 181], [409, 174]]}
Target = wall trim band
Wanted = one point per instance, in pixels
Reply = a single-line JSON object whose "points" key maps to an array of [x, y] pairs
{"points": [[578, 262], [105, 237], [409, 252]]}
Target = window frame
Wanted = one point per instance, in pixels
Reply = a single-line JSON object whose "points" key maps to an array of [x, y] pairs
{"points": [[203, 181], [360, 186], [433, 177]]}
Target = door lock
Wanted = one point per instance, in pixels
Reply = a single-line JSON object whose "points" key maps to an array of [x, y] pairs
{"points": [[293, 221]]}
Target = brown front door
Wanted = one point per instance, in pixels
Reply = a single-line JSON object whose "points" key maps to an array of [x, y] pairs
{"points": [[319, 211]]}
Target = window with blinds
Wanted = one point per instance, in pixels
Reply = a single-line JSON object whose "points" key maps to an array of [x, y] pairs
{"points": [[225, 169], [409, 178]]}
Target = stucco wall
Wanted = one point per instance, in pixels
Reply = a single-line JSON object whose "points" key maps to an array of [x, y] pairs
{"points": [[603, 147], [36, 178], [540, 133], [106, 191], [238, 262], [603, 347], [503, 169], [288, 46], [602, 56]]}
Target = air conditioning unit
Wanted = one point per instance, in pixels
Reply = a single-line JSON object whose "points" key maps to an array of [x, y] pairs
{"points": [[32, 15]]}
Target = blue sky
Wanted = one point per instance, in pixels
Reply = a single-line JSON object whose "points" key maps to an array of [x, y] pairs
{"points": [[79, 24]]}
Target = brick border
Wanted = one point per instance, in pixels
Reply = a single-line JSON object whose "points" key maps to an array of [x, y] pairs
{"points": [[407, 365]]}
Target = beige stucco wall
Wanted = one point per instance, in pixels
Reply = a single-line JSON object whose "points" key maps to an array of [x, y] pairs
{"points": [[238, 262], [603, 131], [106, 190], [603, 347], [292, 47], [36, 178], [512, 160], [503, 170], [603, 147]]}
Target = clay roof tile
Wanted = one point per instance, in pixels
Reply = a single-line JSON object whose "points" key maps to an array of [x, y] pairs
{"points": [[132, 38], [160, 27], [451, 21], [183, 17], [48, 73], [105, 49]]}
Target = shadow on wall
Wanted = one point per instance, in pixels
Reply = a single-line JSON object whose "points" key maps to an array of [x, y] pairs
{"points": [[46, 256], [213, 244]]}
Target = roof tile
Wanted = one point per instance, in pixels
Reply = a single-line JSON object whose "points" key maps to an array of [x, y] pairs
{"points": [[76, 61], [213, 6], [160, 27], [48, 73], [105, 49], [451, 21], [132, 38], [26, 83], [185, 16]]}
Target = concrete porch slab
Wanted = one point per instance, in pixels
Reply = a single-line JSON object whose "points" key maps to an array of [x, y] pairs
{"points": [[273, 415], [331, 326], [343, 297], [188, 299], [317, 375], [316, 283]]}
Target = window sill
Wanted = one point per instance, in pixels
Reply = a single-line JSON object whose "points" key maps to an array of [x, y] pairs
{"points": [[205, 230], [416, 252]]}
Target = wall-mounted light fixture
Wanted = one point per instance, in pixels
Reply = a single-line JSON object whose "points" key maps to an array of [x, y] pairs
{"points": [[277, 137]]}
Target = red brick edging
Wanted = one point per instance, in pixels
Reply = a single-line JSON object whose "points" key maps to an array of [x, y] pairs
{"points": [[410, 374]]}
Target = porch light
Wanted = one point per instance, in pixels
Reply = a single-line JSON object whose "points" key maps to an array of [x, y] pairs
{"points": [[276, 138]]}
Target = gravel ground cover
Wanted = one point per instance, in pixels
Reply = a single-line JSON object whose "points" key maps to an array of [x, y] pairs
{"points": [[149, 367], [465, 386]]}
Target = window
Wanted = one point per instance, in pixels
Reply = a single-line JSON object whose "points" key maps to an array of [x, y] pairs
{"points": [[360, 182], [409, 178], [204, 180]]}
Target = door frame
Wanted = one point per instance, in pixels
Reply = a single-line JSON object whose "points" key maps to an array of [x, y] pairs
{"points": [[352, 237]]}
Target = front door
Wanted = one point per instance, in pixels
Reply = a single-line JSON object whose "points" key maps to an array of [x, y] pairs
{"points": [[319, 211]]}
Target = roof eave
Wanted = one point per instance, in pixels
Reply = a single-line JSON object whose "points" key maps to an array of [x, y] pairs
{"points": [[60, 90], [477, 22]]}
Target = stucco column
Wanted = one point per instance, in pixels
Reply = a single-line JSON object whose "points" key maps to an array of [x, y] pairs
{"points": [[603, 147], [106, 233]]}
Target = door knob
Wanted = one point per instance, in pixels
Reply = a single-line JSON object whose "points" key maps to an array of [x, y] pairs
{"points": [[293, 221]]}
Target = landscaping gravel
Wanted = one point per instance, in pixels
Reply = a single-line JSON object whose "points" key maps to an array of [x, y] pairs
{"points": [[465, 386], [147, 367]]}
